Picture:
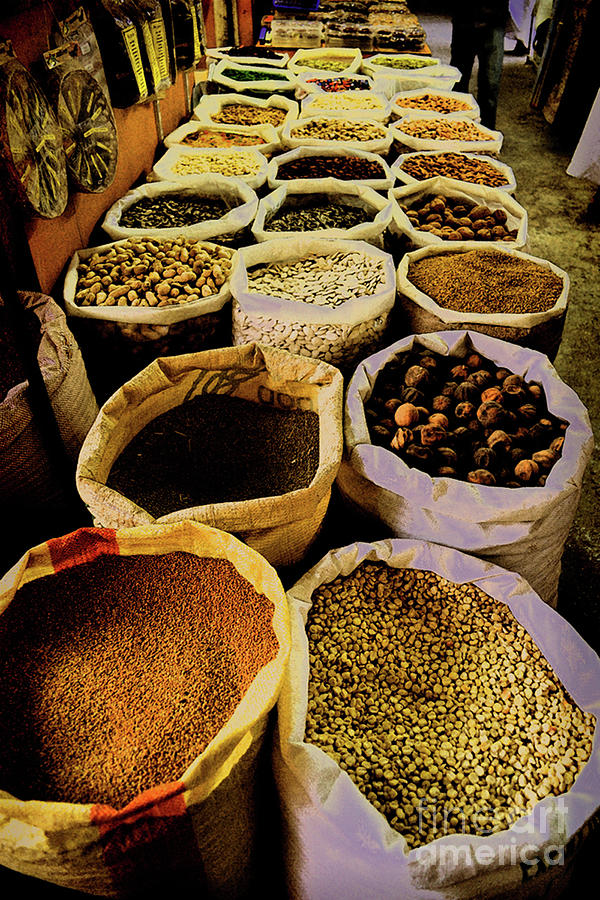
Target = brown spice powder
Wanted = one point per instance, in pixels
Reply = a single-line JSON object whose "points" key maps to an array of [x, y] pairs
{"points": [[117, 673], [486, 281]]}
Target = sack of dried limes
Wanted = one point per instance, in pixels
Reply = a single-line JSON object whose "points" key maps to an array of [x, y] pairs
{"points": [[436, 730]]}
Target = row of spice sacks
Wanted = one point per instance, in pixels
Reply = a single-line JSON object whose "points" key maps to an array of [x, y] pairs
{"points": [[402, 364]]}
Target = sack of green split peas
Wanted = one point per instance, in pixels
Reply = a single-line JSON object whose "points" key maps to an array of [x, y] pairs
{"points": [[469, 442], [247, 439], [138, 669], [435, 730]]}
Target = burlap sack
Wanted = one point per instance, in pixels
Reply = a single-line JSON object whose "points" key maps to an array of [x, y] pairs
{"points": [[338, 845], [27, 480], [199, 830], [281, 527], [522, 529]]}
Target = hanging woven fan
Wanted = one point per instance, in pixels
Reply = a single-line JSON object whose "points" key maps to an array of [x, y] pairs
{"points": [[88, 126], [32, 143]]}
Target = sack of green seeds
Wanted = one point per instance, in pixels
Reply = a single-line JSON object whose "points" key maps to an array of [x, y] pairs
{"points": [[381, 764]]}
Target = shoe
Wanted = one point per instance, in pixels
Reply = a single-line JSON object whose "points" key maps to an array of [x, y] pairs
{"points": [[518, 50]]}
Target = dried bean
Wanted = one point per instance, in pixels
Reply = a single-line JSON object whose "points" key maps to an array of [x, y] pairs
{"points": [[456, 218], [334, 129], [437, 102], [327, 63], [347, 168], [317, 214], [402, 62], [444, 129], [347, 100], [228, 162], [247, 114], [454, 165], [171, 212]]}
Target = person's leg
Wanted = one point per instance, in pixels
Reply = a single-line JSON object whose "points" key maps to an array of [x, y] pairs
{"points": [[490, 52], [462, 53]]}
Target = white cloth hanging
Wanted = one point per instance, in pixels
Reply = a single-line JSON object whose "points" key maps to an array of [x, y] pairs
{"points": [[585, 162]]}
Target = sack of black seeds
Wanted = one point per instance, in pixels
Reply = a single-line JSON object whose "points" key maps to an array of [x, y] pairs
{"points": [[521, 524], [141, 768], [247, 439], [351, 212], [435, 730], [206, 207]]}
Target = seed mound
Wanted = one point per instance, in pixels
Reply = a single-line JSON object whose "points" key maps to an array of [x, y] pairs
{"points": [[333, 129], [437, 703], [438, 102], [116, 674], [241, 114], [443, 129], [171, 212], [317, 214], [230, 161], [344, 167], [216, 449]]}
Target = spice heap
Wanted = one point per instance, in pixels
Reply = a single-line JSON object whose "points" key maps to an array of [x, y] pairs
{"points": [[242, 114], [313, 214], [464, 418], [437, 703], [333, 129], [322, 280], [152, 273], [458, 219], [230, 162], [441, 103], [171, 211], [453, 165], [402, 62], [486, 281], [327, 63], [255, 75], [90, 686], [347, 100], [217, 449], [443, 129], [348, 168], [340, 84], [205, 138]]}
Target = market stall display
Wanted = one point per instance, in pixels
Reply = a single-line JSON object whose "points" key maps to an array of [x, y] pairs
{"points": [[314, 168]]}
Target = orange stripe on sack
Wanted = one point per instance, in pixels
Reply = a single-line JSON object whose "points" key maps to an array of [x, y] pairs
{"points": [[150, 843], [82, 546]]}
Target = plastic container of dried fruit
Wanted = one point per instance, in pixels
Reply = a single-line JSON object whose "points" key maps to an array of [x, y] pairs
{"points": [[504, 170], [296, 33]]}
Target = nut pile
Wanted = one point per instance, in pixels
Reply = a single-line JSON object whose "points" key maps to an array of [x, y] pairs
{"points": [[347, 168], [464, 418], [327, 63], [437, 102], [171, 211], [231, 162], [486, 281], [443, 129], [402, 62], [255, 75], [205, 138], [93, 636], [152, 273], [340, 84], [454, 165], [437, 703], [458, 219], [347, 100], [316, 213], [242, 114], [333, 129]]}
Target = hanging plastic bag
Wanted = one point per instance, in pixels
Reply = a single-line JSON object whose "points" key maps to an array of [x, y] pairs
{"points": [[154, 41], [117, 38], [187, 32], [77, 27]]}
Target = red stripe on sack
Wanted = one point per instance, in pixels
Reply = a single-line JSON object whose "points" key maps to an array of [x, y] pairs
{"points": [[82, 546], [150, 844]]}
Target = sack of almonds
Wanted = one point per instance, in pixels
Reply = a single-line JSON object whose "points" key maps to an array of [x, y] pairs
{"points": [[472, 168], [311, 168], [139, 768], [435, 730], [247, 439], [470, 442], [501, 292], [437, 101], [422, 130], [328, 299], [206, 207], [351, 212], [242, 109], [439, 210]]}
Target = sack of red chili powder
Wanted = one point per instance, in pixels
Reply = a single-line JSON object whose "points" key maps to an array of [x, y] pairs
{"points": [[138, 669], [396, 644], [247, 439], [522, 528]]}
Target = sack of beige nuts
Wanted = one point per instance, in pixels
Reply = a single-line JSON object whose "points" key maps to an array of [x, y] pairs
{"points": [[435, 730], [521, 528]]}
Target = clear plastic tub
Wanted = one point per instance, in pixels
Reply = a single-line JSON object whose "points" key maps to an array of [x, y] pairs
{"points": [[296, 33]]}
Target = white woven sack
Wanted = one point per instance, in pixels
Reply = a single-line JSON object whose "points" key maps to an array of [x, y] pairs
{"points": [[301, 59], [138, 315], [268, 85], [266, 132], [373, 63], [449, 187], [338, 845], [398, 111], [223, 53], [236, 193], [306, 328], [307, 85], [212, 104], [439, 76], [492, 144], [324, 104], [510, 187], [293, 184], [164, 168], [523, 529], [379, 209], [375, 145]]}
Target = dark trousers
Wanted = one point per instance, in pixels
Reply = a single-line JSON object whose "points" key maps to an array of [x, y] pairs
{"points": [[486, 42]]}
